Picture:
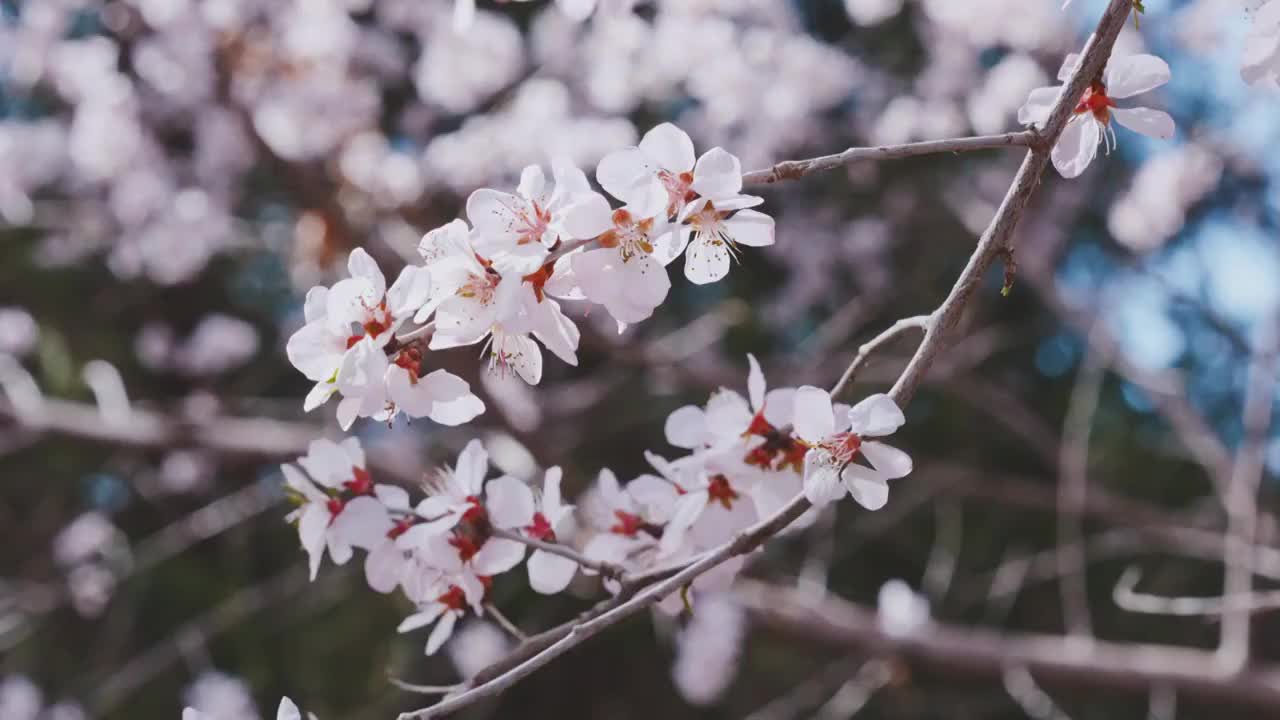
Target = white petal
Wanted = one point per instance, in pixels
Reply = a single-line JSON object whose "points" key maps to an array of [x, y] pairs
{"points": [[755, 383], [363, 523], [509, 502], [875, 415], [473, 464], [686, 427], [316, 351], [667, 246], [587, 217], [626, 175], [423, 618], [868, 487], [549, 324], [548, 573], [361, 265], [821, 479], [706, 260], [520, 354], [533, 183], [656, 496], [497, 556], [888, 461], [410, 291], [576, 10], [1068, 67], [814, 420], [1152, 123], [1076, 147], [382, 567], [728, 414], [1038, 106], [750, 227], [441, 632], [311, 531], [780, 406], [287, 710], [670, 147], [1130, 75], [717, 174]]}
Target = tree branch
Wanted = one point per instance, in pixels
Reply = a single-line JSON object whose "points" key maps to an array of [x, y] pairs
{"points": [[843, 626], [793, 169], [608, 570]]}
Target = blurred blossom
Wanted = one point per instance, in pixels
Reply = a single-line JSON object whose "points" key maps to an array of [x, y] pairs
{"points": [[458, 71], [88, 537], [872, 12], [153, 344], [218, 344], [994, 104], [219, 696], [183, 471], [18, 331], [1154, 208], [900, 612], [91, 587], [537, 124], [476, 646], [908, 119], [708, 648], [20, 699], [1017, 24]]}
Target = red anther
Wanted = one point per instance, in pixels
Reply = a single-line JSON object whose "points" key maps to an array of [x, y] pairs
{"points": [[351, 341], [538, 279], [540, 529], [719, 490], [453, 598], [466, 547], [335, 506], [411, 360], [361, 482], [760, 426], [627, 524], [400, 527], [475, 513], [760, 456], [1095, 101]]}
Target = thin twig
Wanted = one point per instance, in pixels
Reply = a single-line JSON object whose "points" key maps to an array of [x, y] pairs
{"points": [[1073, 487], [1127, 598], [793, 169], [604, 568], [505, 622], [422, 689], [1242, 497], [868, 348]]}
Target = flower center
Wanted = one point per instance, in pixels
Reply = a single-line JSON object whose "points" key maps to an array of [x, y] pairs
{"points": [[475, 513], [540, 529], [843, 446], [531, 223], [400, 527], [630, 237], [453, 598], [627, 524], [538, 279], [361, 482], [1095, 101], [679, 189], [411, 360], [335, 506], [719, 490], [481, 287], [466, 547]]}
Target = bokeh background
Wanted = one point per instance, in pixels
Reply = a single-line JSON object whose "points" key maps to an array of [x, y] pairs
{"points": [[174, 174]]}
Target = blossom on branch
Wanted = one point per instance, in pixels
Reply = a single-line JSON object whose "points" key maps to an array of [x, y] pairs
{"points": [[835, 443], [1090, 121]]}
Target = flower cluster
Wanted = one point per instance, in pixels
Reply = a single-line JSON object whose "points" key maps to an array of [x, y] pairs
{"points": [[497, 279], [747, 457]]}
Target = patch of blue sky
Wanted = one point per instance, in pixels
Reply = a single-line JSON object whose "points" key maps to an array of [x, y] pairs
{"points": [[1141, 323]]}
